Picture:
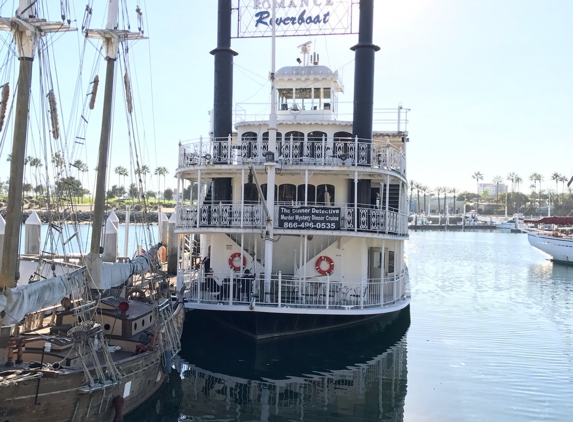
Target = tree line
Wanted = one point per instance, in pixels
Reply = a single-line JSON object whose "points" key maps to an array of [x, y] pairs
{"points": [[559, 200], [69, 180]]}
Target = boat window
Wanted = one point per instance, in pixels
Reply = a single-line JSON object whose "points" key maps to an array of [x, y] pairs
{"points": [[325, 195], [266, 142], [302, 94], [341, 143], [326, 98], [315, 144], [311, 194], [284, 148], [390, 261], [248, 144], [251, 192], [287, 193], [264, 190]]}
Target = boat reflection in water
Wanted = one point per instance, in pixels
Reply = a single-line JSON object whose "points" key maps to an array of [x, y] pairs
{"points": [[353, 374], [164, 404]]}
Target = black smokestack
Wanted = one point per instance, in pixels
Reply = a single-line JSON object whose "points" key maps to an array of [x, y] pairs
{"points": [[364, 75], [223, 96]]}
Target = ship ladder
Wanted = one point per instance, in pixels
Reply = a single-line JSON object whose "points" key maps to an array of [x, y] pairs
{"points": [[170, 329]]}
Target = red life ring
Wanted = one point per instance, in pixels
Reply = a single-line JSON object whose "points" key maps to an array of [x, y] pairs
{"points": [[236, 256], [318, 265]]}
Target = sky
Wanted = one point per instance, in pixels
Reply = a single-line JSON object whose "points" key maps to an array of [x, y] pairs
{"points": [[488, 82]]}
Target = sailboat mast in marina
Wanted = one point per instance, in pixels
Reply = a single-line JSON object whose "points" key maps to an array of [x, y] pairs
{"points": [[112, 39], [88, 340], [27, 28]]}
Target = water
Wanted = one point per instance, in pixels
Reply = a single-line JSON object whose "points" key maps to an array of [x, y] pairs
{"points": [[138, 235], [488, 337]]}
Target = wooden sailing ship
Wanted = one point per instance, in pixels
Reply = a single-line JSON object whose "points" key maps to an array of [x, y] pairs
{"points": [[79, 342]]}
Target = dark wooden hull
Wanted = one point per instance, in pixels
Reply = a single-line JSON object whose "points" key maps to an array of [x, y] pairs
{"points": [[58, 396]]}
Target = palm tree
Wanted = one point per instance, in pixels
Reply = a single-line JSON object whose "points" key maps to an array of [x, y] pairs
{"points": [[35, 163], [511, 177], [412, 187], [142, 171], [439, 191], [58, 160], [425, 190], [497, 180], [453, 191], [557, 178], [445, 190], [563, 179], [160, 171], [477, 176], [536, 177], [518, 180], [120, 171], [418, 185]]}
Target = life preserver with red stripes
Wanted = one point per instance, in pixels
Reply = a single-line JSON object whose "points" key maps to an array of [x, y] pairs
{"points": [[236, 257], [319, 267]]}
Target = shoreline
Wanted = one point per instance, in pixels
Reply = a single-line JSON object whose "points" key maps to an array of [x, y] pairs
{"points": [[86, 216]]}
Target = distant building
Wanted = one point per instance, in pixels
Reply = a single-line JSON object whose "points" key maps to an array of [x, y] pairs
{"points": [[492, 188]]}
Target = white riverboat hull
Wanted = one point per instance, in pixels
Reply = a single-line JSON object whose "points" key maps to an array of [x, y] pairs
{"points": [[560, 249]]}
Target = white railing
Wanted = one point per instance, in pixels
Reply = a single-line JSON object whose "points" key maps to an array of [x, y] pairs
{"points": [[222, 215], [383, 119], [354, 219], [293, 152], [292, 291]]}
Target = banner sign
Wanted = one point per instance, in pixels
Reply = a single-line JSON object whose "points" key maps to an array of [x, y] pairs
{"points": [[295, 17], [309, 218]]}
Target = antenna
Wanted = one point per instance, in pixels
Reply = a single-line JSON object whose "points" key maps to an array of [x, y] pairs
{"points": [[304, 50]]}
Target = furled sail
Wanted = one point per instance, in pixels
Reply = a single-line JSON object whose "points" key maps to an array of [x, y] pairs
{"points": [[115, 274], [19, 301]]}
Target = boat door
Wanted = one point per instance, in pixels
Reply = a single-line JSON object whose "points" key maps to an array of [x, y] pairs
{"points": [[375, 262]]}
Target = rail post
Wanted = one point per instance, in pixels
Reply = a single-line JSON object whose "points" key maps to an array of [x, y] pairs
{"points": [[327, 290], [280, 288]]}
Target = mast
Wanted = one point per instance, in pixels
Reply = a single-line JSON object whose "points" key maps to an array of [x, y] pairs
{"points": [[27, 29], [111, 43], [111, 37]]}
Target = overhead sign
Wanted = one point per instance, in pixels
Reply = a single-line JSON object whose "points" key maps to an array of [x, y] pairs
{"points": [[309, 218], [295, 17]]}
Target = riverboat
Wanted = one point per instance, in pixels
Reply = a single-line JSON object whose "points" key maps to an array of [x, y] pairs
{"points": [[300, 217]]}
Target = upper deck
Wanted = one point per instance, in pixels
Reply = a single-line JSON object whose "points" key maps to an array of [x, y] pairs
{"points": [[384, 153]]}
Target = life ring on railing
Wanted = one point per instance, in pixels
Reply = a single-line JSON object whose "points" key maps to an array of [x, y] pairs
{"points": [[318, 265], [236, 257]]}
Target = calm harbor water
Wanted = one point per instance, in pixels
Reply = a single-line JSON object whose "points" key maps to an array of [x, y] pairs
{"points": [[488, 337], [80, 242]]}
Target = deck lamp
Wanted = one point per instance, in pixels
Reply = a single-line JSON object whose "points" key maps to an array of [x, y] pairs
{"points": [[269, 157]]}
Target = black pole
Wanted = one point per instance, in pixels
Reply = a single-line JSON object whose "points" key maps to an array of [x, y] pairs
{"points": [[364, 77], [223, 95]]}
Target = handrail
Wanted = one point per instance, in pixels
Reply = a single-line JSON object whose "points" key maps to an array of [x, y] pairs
{"points": [[294, 291], [346, 152], [222, 215]]}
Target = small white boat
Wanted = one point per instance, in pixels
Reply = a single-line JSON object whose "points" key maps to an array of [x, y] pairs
{"points": [[514, 223], [558, 244]]}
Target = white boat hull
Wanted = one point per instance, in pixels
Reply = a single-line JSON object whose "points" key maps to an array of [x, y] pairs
{"points": [[560, 249]]}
